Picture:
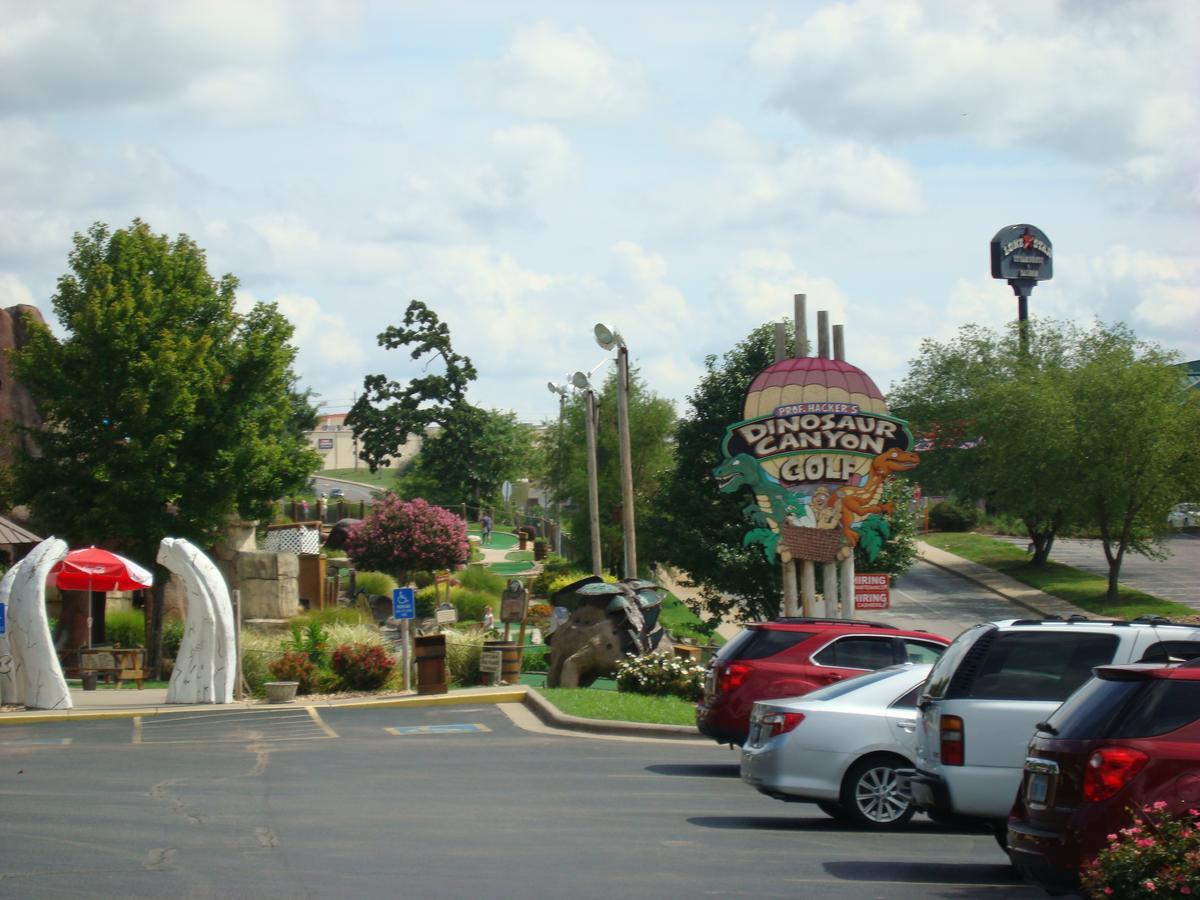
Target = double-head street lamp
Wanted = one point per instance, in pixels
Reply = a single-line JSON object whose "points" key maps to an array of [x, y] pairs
{"points": [[561, 390], [584, 383], [608, 340]]}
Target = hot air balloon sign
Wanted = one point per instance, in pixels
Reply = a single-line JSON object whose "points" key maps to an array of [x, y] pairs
{"points": [[816, 446]]}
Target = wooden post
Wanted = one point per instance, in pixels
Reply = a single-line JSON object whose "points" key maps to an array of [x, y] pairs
{"points": [[829, 574], [808, 586], [237, 644], [801, 327], [780, 342], [789, 588], [847, 588]]}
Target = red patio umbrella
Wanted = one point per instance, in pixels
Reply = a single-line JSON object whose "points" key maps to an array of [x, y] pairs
{"points": [[94, 569]]}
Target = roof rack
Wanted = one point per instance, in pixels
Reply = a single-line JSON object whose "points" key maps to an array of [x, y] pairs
{"points": [[1076, 618], [812, 620]]}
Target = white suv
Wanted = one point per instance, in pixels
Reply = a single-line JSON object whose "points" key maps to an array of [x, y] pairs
{"points": [[996, 682]]}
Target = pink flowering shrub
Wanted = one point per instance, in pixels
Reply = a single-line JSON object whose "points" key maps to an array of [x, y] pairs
{"points": [[1156, 856], [404, 536]]}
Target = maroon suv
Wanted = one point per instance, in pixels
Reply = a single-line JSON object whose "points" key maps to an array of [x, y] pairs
{"points": [[789, 657], [1126, 739]]}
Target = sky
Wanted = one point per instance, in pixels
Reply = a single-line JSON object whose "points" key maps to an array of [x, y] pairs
{"points": [[675, 171]]}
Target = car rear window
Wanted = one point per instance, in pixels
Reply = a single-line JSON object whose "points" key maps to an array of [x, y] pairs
{"points": [[757, 643], [1104, 709], [1022, 665], [1171, 651]]}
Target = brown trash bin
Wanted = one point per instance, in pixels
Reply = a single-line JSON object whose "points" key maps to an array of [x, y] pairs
{"points": [[431, 663], [510, 660]]}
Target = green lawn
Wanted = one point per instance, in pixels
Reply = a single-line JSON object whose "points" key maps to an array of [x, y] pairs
{"points": [[1083, 589], [76, 685], [620, 707]]}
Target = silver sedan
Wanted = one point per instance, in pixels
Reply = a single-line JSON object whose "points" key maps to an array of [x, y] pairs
{"points": [[840, 746]]}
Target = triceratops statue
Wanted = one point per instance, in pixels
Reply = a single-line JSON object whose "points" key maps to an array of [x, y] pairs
{"points": [[606, 622]]}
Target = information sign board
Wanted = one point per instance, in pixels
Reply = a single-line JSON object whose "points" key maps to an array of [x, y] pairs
{"points": [[445, 614], [491, 661], [871, 591], [404, 604]]}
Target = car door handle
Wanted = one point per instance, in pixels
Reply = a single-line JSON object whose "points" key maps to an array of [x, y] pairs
{"points": [[906, 726], [836, 677]]}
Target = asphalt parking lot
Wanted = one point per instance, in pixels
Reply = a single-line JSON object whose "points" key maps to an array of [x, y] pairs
{"points": [[432, 802]]}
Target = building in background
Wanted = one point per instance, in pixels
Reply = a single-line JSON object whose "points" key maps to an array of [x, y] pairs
{"points": [[338, 448]]}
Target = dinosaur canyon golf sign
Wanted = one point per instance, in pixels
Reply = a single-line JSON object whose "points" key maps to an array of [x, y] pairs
{"points": [[816, 446]]}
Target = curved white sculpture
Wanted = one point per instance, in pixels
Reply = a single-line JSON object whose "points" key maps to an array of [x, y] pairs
{"points": [[36, 672], [205, 668], [8, 683]]}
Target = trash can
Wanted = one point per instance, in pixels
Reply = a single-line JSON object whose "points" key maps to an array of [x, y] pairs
{"points": [[431, 663], [89, 680], [510, 655]]}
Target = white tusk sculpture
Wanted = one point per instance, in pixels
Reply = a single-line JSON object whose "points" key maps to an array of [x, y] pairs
{"points": [[35, 671], [206, 667], [8, 682]]}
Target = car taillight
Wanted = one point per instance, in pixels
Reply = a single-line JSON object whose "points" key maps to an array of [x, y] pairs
{"points": [[774, 724], [952, 741], [1109, 769], [733, 676]]}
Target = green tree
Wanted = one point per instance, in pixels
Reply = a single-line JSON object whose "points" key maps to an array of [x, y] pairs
{"points": [[696, 528], [1137, 452], [561, 463], [389, 411], [165, 409], [469, 458], [1000, 423]]}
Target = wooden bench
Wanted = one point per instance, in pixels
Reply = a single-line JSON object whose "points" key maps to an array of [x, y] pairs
{"points": [[114, 664]]}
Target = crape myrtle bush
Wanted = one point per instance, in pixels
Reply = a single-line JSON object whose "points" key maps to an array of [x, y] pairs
{"points": [[1158, 855], [660, 674], [295, 665], [402, 537], [362, 667]]}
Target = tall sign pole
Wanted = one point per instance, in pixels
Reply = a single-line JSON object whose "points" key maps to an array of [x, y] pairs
{"points": [[1022, 255]]}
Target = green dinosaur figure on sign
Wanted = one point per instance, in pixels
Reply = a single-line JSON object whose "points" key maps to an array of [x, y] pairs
{"points": [[743, 470]]}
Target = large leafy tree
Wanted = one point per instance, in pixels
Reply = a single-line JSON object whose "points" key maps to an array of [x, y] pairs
{"points": [[1088, 429], [695, 527], [390, 411], [165, 409], [998, 418], [469, 458], [562, 464], [1137, 452]]}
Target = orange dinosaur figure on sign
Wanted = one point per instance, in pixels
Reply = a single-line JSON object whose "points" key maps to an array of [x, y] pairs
{"points": [[863, 500]]}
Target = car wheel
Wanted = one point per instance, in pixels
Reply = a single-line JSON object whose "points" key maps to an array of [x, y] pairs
{"points": [[833, 810], [871, 795]]}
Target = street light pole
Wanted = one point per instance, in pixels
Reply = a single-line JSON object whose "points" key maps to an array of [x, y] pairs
{"points": [[561, 390], [582, 382], [608, 340]]}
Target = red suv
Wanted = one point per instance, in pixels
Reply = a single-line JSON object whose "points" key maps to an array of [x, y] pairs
{"points": [[789, 657], [1126, 739]]}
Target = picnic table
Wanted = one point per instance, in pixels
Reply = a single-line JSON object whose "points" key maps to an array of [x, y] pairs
{"points": [[114, 663]]}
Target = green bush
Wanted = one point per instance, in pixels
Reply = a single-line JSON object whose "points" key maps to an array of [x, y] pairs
{"points": [[172, 637], [483, 580], [422, 579], [537, 659], [462, 656], [658, 674], [469, 603], [295, 665], [331, 616], [950, 515], [377, 584], [311, 639], [552, 566], [126, 627], [362, 667]]}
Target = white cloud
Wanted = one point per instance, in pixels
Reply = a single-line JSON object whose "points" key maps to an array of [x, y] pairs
{"points": [[763, 182], [13, 291], [548, 73], [219, 55], [318, 331], [1091, 81]]}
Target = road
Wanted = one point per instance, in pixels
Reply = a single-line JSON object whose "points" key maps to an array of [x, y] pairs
{"points": [[344, 802], [1175, 578], [354, 492]]}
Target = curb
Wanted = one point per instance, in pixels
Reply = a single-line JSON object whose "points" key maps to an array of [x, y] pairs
{"points": [[1037, 602], [542, 708]]}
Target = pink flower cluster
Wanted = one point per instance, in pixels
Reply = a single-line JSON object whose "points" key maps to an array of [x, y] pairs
{"points": [[403, 536]]}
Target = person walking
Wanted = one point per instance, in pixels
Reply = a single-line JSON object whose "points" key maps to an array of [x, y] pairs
{"points": [[486, 523]]}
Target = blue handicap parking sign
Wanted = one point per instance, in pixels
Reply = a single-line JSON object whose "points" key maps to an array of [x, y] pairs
{"points": [[404, 604], [2, 608]]}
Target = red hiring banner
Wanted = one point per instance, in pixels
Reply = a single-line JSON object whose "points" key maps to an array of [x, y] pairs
{"points": [[871, 591]]}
